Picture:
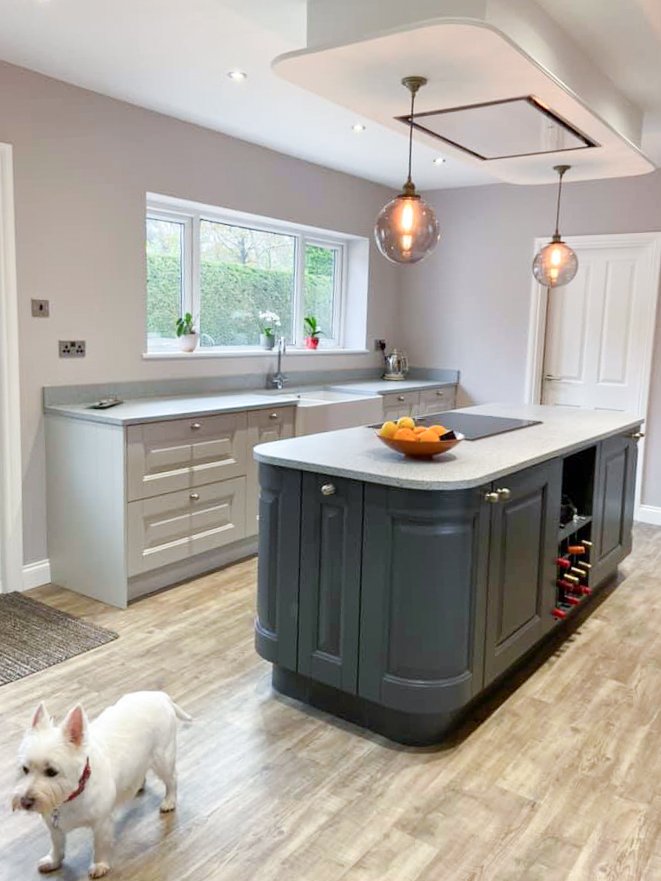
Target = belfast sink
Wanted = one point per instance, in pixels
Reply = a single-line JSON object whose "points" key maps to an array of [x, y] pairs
{"points": [[320, 410]]}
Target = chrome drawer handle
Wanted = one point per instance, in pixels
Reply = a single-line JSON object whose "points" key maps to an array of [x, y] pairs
{"points": [[504, 494], [273, 415], [328, 489], [637, 435], [401, 398], [195, 426], [194, 497]]}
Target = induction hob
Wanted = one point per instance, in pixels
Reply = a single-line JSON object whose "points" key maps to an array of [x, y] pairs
{"points": [[474, 426]]}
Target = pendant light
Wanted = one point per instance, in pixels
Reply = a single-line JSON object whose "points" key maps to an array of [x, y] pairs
{"points": [[406, 229], [556, 264]]}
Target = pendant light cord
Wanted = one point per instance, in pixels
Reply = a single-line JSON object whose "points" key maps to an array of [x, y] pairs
{"points": [[561, 169], [413, 91]]}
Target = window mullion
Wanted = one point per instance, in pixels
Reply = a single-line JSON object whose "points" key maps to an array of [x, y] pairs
{"points": [[194, 270], [299, 298]]}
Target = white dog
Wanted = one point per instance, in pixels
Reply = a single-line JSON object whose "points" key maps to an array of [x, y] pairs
{"points": [[76, 773]]}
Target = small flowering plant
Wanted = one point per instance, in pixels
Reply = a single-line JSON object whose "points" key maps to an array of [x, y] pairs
{"points": [[269, 322]]}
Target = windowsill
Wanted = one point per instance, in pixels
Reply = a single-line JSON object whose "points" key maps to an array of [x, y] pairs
{"points": [[246, 353]]}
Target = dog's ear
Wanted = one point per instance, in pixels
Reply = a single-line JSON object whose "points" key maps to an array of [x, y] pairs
{"points": [[74, 726], [41, 718]]}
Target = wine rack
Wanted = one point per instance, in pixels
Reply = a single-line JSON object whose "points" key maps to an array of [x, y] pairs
{"points": [[573, 566]]}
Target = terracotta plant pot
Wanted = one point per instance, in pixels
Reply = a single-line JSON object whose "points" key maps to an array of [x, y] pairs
{"points": [[311, 342], [188, 342]]}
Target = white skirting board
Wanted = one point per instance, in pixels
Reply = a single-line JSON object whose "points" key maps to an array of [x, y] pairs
{"points": [[649, 514], [36, 574]]}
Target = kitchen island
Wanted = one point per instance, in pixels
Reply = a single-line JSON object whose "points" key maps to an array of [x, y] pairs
{"points": [[394, 592]]}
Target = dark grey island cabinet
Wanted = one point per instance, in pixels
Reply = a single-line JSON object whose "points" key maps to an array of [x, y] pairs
{"points": [[396, 607]]}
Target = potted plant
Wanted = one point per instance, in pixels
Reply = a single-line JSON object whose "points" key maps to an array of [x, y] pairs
{"points": [[188, 336], [312, 332], [268, 322]]}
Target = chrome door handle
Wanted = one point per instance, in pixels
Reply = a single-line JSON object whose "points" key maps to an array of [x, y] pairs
{"points": [[328, 489], [194, 497], [637, 435], [549, 378], [504, 494], [195, 426], [492, 497]]}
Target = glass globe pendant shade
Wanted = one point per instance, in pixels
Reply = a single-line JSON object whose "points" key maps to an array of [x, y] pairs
{"points": [[555, 264], [406, 229]]}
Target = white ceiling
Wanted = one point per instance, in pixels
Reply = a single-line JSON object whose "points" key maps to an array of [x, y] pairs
{"points": [[173, 56]]}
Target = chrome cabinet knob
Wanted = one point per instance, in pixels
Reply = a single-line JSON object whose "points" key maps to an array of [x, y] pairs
{"points": [[439, 393], [401, 398], [504, 494], [195, 426], [273, 415], [637, 435], [492, 497], [194, 497], [328, 489]]}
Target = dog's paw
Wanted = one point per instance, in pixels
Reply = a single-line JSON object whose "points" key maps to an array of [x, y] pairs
{"points": [[98, 870], [48, 864], [167, 805]]}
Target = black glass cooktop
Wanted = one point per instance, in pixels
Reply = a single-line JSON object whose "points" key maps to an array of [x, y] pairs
{"points": [[474, 426]]}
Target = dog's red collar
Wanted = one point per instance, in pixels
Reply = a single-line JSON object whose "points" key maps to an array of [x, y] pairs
{"points": [[82, 783]]}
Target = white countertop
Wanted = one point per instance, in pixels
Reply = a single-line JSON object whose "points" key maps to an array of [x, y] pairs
{"points": [[358, 454], [389, 386], [182, 406]]}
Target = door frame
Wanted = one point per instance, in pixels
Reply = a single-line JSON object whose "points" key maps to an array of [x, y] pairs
{"points": [[11, 515], [651, 242]]}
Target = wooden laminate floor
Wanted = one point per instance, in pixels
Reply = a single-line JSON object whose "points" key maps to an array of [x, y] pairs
{"points": [[561, 782]]}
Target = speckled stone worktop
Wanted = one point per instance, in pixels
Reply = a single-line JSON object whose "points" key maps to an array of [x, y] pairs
{"points": [[356, 452]]}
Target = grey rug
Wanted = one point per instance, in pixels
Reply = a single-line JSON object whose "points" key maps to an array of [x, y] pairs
{"points": [[34, 636]]}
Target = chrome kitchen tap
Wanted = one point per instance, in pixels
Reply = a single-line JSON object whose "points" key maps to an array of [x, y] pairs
{"points": [[278, 379]]}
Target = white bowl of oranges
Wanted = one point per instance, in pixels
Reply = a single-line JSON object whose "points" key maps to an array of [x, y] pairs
{"points": [[418, 441]]}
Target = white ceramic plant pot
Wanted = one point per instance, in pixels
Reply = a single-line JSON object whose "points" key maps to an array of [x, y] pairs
{"points": [[267, 340], [188, 342]]}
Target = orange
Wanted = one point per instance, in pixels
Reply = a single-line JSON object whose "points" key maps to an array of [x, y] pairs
{"points": [[405, 434], [419, 429], [388, 429], [405, 422], [439, 429], [428, 436]]}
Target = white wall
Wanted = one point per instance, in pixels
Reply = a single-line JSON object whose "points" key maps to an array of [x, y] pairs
{"points": [[83, 163], [468, 304]]}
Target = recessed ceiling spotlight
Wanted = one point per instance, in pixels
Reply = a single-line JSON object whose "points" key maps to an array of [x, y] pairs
{"points": [[358, 127], [439, 160], [237, 76]]}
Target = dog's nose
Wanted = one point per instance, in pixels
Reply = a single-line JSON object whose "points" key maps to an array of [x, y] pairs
{"points": [[27, 802]]}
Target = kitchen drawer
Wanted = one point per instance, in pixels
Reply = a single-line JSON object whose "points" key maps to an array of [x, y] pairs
{"points": [[172, 527], [178, 454], [264, 426], [435, 399], [397, 404]]}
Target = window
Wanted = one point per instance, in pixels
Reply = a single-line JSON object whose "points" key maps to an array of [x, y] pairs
{"points": [[226, 268]]}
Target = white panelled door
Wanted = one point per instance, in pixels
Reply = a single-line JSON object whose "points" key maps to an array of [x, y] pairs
{"points": [[596, 347]]}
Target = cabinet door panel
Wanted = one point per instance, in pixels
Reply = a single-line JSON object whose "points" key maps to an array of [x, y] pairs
{"points": [[423, 598], [158, 531], [613, 504], [218, 517], [435, 400], [276, 627], [264, 426], [400, 404], [331, 541], [176, 454], [522, 574]]}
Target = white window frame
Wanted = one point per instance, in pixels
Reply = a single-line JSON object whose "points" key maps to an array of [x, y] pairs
{"points": [[191, 214]]}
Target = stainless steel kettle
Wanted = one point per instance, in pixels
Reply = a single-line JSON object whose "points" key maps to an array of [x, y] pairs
{"points": [[397, 365]]}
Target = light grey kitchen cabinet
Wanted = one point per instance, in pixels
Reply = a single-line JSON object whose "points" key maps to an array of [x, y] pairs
{"points": [[418, 403], [264, 426], [180, 453]]}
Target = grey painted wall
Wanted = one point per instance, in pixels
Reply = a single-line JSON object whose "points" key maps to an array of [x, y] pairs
{"points": [[468, 304], [83, 163]]}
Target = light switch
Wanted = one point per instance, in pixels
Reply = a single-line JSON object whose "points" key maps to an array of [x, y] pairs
{"points": [[40, 308]]}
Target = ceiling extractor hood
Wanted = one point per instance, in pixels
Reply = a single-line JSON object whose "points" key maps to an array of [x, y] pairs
{"points": [[507, 89]]}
